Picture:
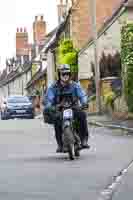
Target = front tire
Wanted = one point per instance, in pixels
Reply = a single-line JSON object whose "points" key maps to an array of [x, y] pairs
{"points": [[77, 151], [68, 141], [71, 152]]}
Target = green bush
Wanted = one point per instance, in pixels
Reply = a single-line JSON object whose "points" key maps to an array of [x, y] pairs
{"points": [[109, 99], [67, 54]]}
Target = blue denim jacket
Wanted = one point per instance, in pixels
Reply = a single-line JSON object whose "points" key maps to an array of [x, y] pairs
{"points": [[53, 92]]}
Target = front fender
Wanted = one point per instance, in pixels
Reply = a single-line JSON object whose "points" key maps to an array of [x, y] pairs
{"points": [[66, 123]]}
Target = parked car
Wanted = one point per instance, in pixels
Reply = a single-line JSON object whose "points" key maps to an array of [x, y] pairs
{"points": [[17, 107]]}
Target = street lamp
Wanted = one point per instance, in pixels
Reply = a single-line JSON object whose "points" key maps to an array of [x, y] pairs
{"points": [[92, 5]]}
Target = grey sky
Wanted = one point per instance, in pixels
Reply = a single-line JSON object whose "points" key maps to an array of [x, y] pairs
{"points": [[21, 13]]}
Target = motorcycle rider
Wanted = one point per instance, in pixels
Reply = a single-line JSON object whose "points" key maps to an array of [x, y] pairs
{"points": [[52, 98]]}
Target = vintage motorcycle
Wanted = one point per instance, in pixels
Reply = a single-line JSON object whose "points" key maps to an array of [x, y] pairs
{"points": [[70, 135]]}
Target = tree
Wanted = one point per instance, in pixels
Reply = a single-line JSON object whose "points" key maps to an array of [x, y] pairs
{"points": [[67, 54]]}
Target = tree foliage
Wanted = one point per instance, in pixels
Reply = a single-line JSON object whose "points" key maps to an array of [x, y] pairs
{"points": [[67, 54]]}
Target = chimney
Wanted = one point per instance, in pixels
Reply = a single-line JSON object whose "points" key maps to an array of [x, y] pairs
{"points": [[21, 41], [36, 17], [39, 29], [61, 10]]}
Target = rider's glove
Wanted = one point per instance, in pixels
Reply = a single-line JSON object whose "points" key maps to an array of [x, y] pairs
{"points": [[85, 106]]}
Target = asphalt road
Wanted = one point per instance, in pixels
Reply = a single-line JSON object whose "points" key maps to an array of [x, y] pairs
{"points": [[31, 170]]}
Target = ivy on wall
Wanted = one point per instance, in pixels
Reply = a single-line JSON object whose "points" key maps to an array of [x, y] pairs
{"points": [[127, 62]]}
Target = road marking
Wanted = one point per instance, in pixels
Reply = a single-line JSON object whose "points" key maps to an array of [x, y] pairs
{"points": [[108, 192]]}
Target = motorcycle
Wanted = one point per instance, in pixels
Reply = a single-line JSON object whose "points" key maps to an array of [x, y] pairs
{"points": [[70, 135]]}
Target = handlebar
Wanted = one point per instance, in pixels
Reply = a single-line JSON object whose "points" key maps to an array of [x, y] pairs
{"points": [[75, 107]]}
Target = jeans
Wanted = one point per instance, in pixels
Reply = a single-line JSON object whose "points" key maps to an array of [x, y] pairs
{"points": [[81, 117]]}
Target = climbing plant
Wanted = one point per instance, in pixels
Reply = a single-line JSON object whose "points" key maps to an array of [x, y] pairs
{"points": [[127, 62], [67, 54]]}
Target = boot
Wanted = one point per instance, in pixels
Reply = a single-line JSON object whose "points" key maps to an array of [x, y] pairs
{"points": [[84, 144], [59, 149]]}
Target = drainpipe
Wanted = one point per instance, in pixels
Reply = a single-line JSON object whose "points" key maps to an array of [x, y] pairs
{"points": [[92, 6]]}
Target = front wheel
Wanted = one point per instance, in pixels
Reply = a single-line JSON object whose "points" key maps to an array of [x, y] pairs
{"points": [[71, 152], [68, 141], [76, 150]]}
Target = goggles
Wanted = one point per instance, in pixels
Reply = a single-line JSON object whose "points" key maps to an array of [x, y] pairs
{"points": [[65, 74]]}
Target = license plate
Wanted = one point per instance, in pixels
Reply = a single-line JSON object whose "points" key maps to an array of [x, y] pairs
{"points": [[20, 111], [68, 114]]}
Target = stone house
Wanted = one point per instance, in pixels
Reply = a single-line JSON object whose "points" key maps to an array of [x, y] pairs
{"points": [[109, 37], [76, 24], [109, 42]]}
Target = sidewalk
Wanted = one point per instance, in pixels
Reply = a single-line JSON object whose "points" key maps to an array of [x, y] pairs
{"points": [[107, 121]]}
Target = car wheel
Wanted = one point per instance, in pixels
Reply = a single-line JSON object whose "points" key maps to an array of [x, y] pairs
{"points": [[3, 117], [32, 117]]}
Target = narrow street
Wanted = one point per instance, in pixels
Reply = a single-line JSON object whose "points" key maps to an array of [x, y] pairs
{"points": [[31, 170]]}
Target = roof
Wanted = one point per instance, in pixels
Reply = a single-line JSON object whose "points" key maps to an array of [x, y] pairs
{"points": [[36, 77], [48, 39], [53, 42], [14, 74]]}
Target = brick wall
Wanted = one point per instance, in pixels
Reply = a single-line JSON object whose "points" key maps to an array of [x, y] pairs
{"points": [[81, 21]]}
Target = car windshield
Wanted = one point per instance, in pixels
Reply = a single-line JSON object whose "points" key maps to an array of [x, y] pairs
{"points": [[18, 100]]}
